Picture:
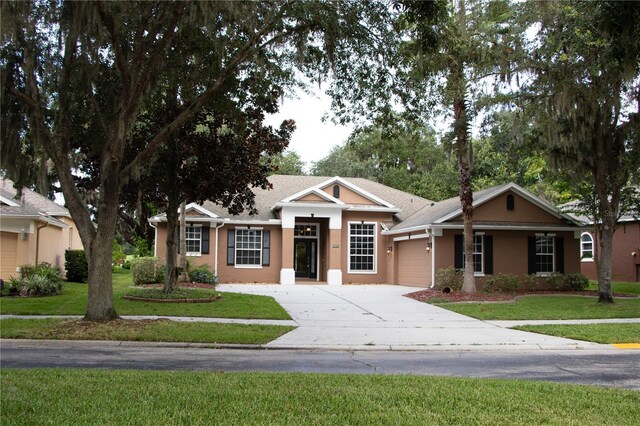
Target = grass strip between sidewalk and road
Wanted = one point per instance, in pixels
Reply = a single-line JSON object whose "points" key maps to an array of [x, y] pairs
{"points": [[162, 330], [88, 397], [547, 308], [598, 333], [73, 301]]}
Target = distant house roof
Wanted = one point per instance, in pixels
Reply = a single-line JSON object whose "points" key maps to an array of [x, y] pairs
{"points": [[572, 208], [30, 206]]}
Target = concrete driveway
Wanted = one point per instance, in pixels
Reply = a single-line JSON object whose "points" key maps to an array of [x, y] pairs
{"points": [[380, 317]]}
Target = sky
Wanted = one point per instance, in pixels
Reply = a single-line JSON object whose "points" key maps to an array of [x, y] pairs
{"points": [[313, 138]]}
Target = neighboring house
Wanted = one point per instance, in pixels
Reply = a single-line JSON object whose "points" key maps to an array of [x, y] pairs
{"points": [[352, 230], [625, 261], [33, 230]]}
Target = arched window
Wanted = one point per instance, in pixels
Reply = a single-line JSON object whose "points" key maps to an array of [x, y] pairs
{"points": [[336, 191], [586, 247]]}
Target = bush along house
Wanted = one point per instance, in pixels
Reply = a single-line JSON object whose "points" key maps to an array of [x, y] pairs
{"points": [[339, 231]]}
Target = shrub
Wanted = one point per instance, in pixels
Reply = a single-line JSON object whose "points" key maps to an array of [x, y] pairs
{"points": [[503, 283], [76, 265], [577, 282], [558, 282], [202, 275], [531, 282], [117, 254], [449, 277], [142, 248], [41, 280], [147, 270], [126, 264]]}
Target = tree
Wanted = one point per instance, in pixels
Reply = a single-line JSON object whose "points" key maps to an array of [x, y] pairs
{"points": [[82, 72], [585, 96], [288, 163], [471, 46]]}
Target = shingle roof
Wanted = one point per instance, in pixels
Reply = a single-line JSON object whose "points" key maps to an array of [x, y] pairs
{"points": [[31, 201], [434, 211], [284, 186]]}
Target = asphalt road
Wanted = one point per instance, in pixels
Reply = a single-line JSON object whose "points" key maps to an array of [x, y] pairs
{"points": [[607, 367]]}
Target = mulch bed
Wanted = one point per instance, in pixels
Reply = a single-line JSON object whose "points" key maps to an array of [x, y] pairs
{"points": [[460, 296], [182, 284]]}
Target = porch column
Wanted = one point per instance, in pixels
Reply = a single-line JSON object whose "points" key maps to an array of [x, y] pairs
{"points": [[287, 273], [334, 274]]}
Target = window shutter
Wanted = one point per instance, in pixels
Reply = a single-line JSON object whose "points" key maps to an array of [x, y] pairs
{"points": [[266, 247], [488, 254], [532, 255], [204, 249], [457, 256], [231, 247], [559, 248]]}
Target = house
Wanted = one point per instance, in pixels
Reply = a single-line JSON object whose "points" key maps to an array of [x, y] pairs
{"points": [[33, 229], [338, 230], [626, 250]]}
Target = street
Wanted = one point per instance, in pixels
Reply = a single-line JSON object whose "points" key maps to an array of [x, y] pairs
{"points": [[606, 367]]}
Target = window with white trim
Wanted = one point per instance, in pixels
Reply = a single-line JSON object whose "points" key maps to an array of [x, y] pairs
{"points": [[478, 254], [362, 247], [545, 252], [193, 238], [248, 247], [586, 247]]}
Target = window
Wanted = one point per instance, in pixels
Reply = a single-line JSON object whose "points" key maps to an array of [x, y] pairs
{"points": [[586, 247], [362, 247], [248, 247], [544, 254], [511, 202], [193, 237], [478, 256], [336, 191], [305, 230]]}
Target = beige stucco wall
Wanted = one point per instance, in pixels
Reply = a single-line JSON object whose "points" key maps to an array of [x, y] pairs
{"points": [[348, 196], [495, 210], [510, 252]]}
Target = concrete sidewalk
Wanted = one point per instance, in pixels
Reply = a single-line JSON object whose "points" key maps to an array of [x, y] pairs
{"points": [[380, 317]]}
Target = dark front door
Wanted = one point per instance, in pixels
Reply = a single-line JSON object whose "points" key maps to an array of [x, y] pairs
{"points": [[305, 256]]}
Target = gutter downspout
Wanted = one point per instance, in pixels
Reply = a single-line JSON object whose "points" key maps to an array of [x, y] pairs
{"points": [[433, 261], [215, 271], [38, 240], [155, 239]]}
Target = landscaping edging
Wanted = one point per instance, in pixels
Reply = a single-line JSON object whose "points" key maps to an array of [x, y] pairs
{"points": [[147, 299]]}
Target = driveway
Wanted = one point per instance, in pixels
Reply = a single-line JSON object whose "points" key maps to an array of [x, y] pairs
{"points": [[380, 317]]}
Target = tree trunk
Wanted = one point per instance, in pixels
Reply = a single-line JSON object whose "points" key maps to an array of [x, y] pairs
{"points": [[184, 276], [605, 258], [170, 275], [100, 293]]}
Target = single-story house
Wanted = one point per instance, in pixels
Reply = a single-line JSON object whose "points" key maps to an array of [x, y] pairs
{"points": [[33, 229], [626, 251], [338, 230]]}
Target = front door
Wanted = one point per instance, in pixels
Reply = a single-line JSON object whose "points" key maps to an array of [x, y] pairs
{"points": [[305, 257]]}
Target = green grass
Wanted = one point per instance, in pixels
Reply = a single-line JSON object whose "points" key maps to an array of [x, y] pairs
{"points": [[73, 301], [598, 333], [548, 307], [144, 331], [619, 287], [178, 293], [97, 397]]}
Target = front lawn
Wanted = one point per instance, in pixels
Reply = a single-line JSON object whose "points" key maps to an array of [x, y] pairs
{"points": [[144, 331], [618, 287], [598, 333], [73, 301], [548, 307], [88, 397]]}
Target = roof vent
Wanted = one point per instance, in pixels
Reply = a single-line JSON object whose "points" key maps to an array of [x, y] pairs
{"points": [[336, 191], [511, 202]]}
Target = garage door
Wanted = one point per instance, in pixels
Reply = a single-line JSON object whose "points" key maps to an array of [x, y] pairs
{"points": [[8, 254], [413, 269]]}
